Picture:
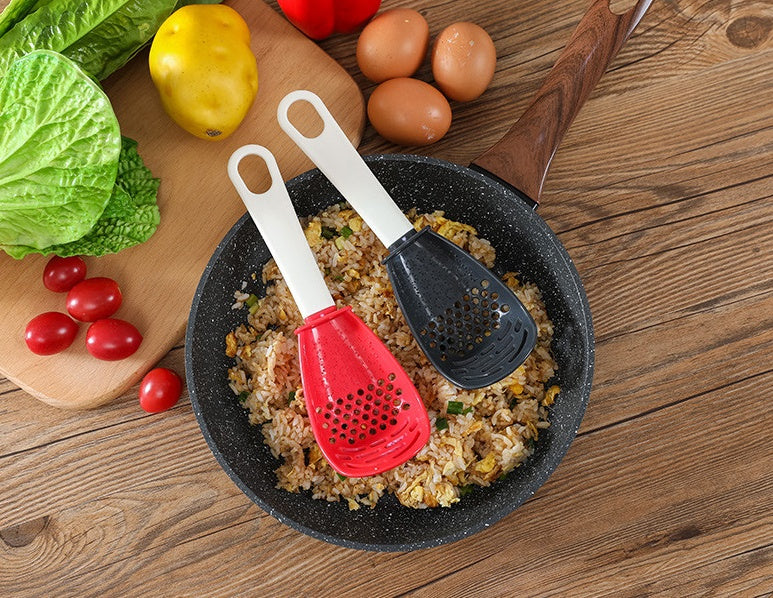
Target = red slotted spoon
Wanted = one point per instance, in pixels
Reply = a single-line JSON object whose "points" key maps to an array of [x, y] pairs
{"points": [[365, 412]]}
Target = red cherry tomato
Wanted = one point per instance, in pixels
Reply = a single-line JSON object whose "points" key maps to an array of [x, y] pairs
{"points": [[94, 299], [112, 339], [63, 273], [50, 332], [160, 389]]}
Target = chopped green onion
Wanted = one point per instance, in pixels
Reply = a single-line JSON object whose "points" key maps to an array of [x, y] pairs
{"points": [[338, 278], [291, 396], [341, 476], [254, 308], [530, 443], [328, 233], [441, 423], [457, 408], [251, 300], [243, 396], [465, 490], [346, 232], [340, 243]]}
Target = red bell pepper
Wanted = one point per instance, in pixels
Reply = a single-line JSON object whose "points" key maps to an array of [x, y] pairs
{"points": [[321, 18]]}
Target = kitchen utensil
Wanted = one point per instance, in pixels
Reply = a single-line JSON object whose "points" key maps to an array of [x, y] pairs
{"points": [[159, 277], [523, 242], [469, 324], [364, 411]]}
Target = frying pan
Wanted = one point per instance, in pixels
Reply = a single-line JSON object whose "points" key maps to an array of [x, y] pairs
{"points": [[497, 195]]}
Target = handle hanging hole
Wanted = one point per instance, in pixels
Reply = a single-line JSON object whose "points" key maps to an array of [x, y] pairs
{"points": [[254, 172], [304, 117]]}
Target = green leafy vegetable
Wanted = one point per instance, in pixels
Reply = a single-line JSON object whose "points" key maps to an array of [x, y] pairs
{"points": [[14, 12], [346, 232], [130, 217], [99, 35], [291, 396], [243, 396], [59, 149], [441, 423], [328, 233]]}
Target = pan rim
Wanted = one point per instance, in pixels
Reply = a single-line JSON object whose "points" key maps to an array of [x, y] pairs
{"points": [[558, 451]]}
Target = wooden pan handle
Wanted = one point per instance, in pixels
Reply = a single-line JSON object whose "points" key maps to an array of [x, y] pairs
{"points": [[522, 157]]}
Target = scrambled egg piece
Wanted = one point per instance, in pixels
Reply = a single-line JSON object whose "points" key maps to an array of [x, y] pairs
{"points": [[516, 388], [550, 395], [230, 344], [313, 233], [355, 224], [486, 465], [449, 229]]}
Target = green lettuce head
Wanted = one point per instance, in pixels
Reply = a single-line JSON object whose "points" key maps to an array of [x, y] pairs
{"points": [[59, 149]]}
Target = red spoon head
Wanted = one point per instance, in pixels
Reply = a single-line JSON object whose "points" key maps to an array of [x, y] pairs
{"points": [[365, 412]]}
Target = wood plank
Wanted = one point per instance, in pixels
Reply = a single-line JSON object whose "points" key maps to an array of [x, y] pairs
{"points": [[681, 359], [652, 229], [650, 290], [655, 149]]}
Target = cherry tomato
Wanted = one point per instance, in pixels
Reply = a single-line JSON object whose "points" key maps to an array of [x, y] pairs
{"points": [[63, 273], [50, 332], [160, 389], [111, 339], [94, 299]]}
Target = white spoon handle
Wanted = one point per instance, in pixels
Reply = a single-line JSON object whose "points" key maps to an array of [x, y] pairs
{"points": [[273, 214], [332, 152]]}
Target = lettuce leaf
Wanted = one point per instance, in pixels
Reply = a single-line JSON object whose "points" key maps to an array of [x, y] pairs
{"points": [[15, 12], [130, 218], [99, 35], [59, 150]]}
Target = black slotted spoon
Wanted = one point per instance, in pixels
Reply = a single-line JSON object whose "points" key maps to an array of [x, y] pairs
{"points": [[471, 326]]}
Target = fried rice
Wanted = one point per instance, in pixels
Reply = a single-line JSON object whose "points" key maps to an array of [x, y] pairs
{"points": [[483, 436]]}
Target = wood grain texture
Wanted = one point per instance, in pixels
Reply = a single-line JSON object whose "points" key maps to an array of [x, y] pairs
{"points": [[198, 205], [522, 157], [662, 191]]}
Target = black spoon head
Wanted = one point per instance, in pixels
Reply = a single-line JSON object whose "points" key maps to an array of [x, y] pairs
{"points": [[470, 325]]}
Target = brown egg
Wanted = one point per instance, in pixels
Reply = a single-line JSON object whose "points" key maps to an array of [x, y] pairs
{"points": [[409, 112], [393, 44], [463, 61]]}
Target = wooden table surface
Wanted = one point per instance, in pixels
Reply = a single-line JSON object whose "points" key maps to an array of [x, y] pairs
{"points": [[663, 194]]}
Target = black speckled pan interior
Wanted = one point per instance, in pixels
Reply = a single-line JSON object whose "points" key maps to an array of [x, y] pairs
{"points": [[523, 243]]}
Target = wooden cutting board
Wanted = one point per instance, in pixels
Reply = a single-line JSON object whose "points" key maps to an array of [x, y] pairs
{"points": [[198, 206]]}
